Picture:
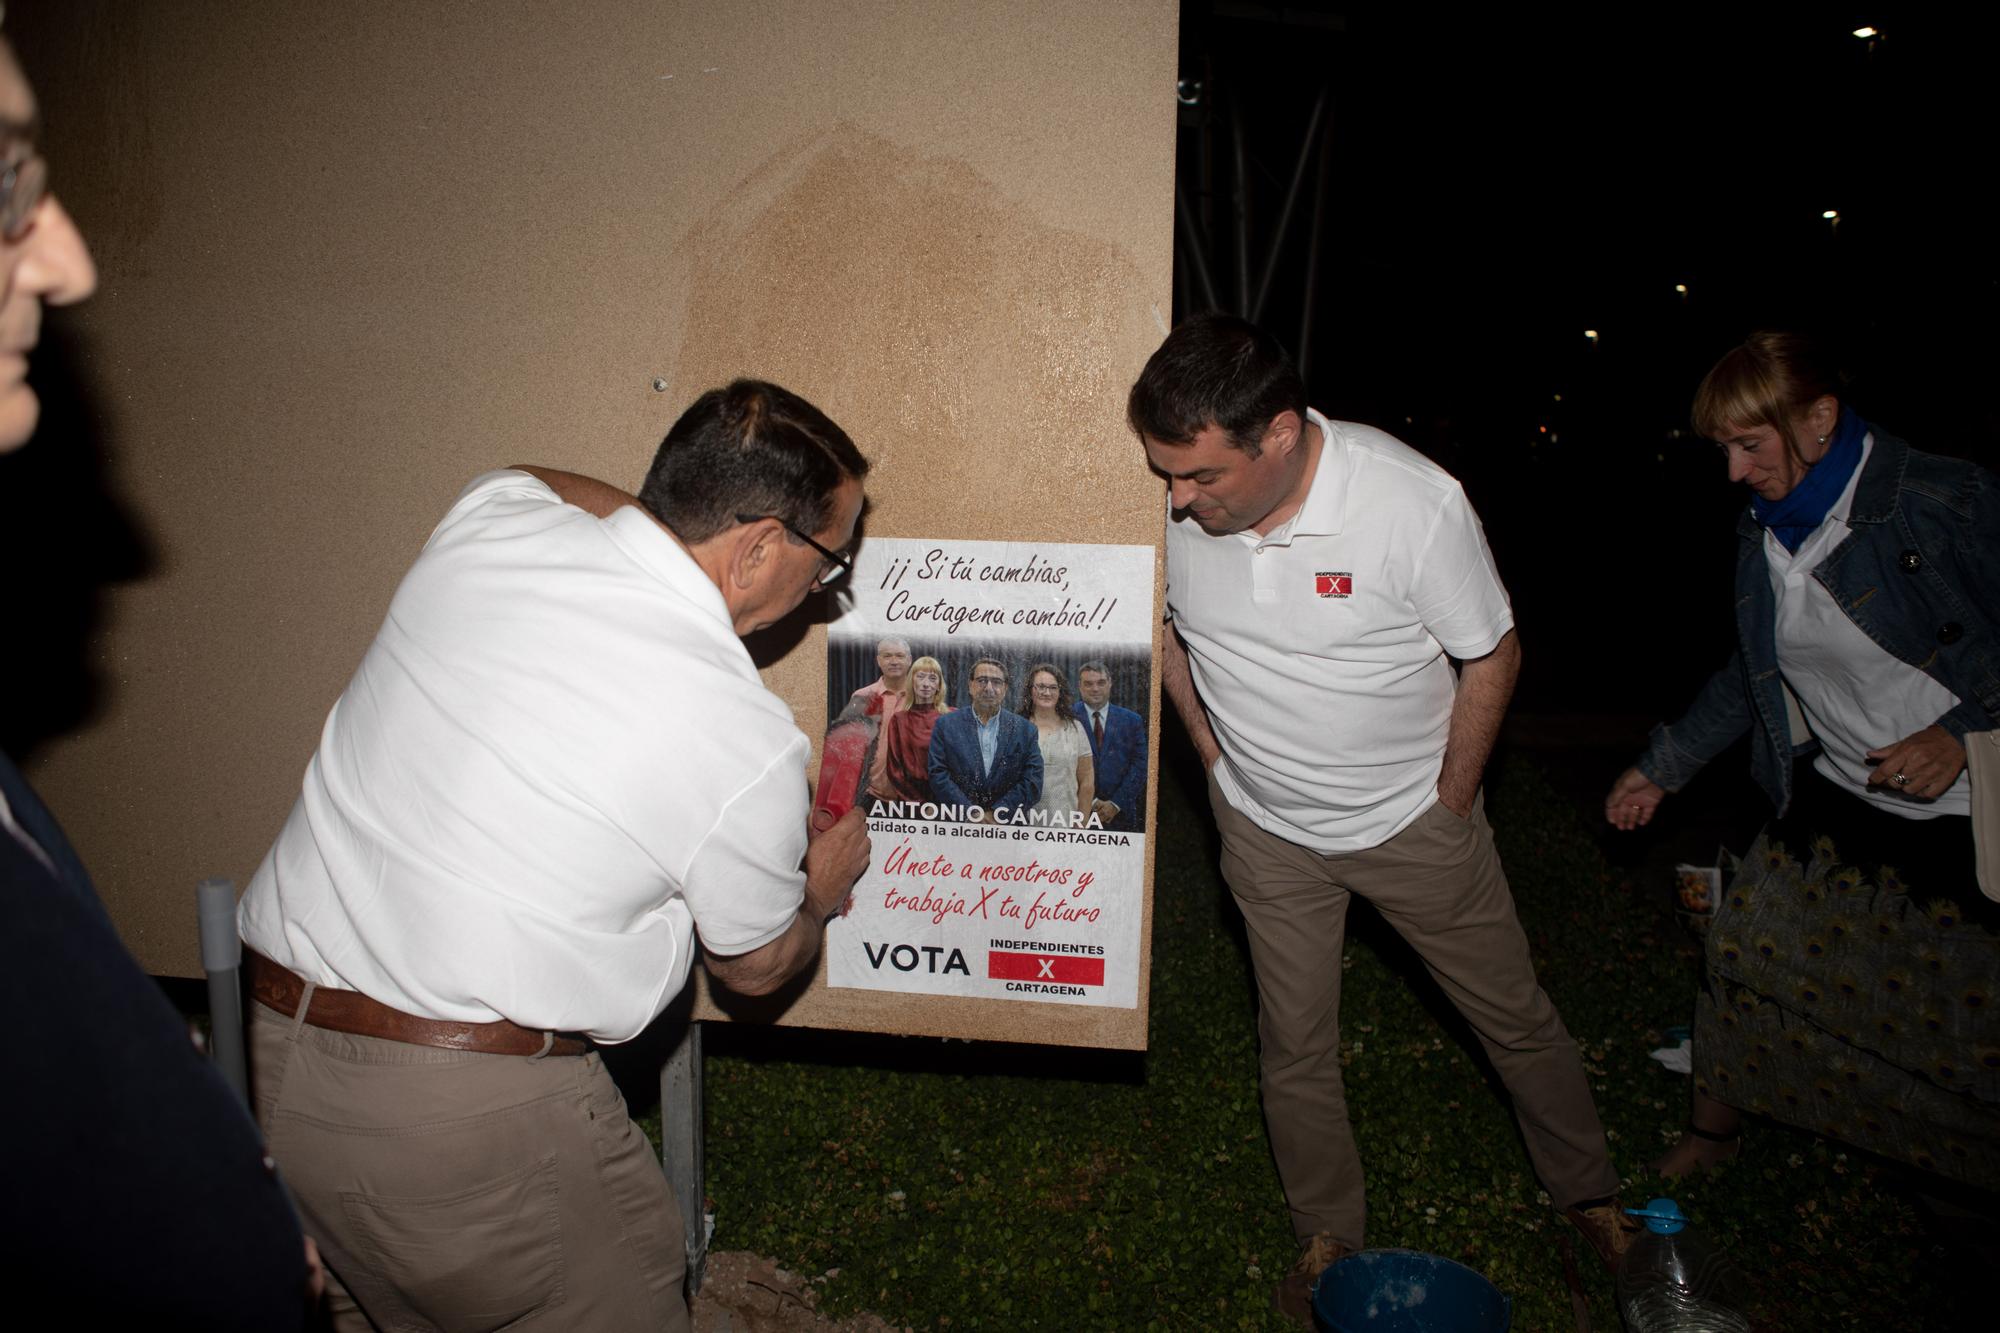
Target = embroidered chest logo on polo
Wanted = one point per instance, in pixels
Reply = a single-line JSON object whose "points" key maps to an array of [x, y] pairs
{"points": [[1333, 585]]}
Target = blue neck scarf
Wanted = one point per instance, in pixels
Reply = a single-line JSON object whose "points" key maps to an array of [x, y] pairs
{"points": [[1794, 518]]}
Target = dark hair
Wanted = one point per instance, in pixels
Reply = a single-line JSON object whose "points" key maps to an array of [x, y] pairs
{"points": [[1215, 370], [750, 448], [979, 662], [1093, 665], [1770, 380], [1064, 699]]}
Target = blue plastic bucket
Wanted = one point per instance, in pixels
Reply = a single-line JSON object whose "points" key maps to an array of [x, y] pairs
{"points": [[1407, 1291]]}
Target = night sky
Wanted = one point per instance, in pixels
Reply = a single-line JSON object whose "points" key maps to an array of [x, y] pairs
{"points": [[1500, 184]]}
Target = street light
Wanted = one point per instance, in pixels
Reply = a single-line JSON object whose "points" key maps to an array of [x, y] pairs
{"points": [[1867, 34], [1592, 335]]}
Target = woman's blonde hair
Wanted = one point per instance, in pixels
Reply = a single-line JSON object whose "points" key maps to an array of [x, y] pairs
{"points": [[910, 683], [1769, 381]]}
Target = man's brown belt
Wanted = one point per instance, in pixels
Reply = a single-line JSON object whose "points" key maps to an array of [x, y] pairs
{"points": [[350, 1011]]}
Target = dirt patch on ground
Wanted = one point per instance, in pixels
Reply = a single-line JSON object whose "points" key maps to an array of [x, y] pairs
{"points": [[743, 1292]]}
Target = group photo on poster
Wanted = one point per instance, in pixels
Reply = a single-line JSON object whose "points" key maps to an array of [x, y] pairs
{"points": [[986, 705]]}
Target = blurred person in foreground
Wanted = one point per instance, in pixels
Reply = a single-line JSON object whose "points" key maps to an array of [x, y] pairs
{"points": [[1852, 963], [138, 1194], [554, 774], [1322, 577]]}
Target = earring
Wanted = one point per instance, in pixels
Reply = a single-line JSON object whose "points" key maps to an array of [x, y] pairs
{"points": [[1822, 439]]}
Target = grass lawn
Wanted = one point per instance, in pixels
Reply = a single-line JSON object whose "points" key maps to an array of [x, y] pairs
{"points": [[953, 1185]]}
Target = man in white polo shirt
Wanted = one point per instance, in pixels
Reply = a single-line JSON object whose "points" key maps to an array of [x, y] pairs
{"points": [[553, 773], [1321, 577]]}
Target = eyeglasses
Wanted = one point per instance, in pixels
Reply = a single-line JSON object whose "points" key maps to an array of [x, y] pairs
{"points": [[834, 566], [23, 183]]}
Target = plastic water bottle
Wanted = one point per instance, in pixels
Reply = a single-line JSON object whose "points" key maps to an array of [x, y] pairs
{"points": [[1672, 1281]]}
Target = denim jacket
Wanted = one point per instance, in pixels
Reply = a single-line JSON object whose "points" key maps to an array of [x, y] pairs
{"points": [[1919, 574]]}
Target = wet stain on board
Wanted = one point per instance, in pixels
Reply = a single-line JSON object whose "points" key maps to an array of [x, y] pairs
{"points": [[978, 354]]}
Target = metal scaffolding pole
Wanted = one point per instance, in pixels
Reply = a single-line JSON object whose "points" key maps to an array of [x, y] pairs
{"points": [[1277, 247]]}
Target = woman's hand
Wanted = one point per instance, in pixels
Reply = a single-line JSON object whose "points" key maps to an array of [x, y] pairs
{"points": [[1924, 765], [1633, 799]]}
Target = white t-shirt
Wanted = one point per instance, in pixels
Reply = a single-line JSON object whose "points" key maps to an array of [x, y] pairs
{"points": [[1320, 650], [554, 762], [1856, 696]]}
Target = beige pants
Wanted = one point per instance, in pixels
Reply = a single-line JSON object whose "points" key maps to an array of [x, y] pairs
{"points": [[1439, 883], [454, 1191]]}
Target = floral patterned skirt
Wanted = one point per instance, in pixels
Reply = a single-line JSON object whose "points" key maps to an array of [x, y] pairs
{"points": [[1852, 968]]}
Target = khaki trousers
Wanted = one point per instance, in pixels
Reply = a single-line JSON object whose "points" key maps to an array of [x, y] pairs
{"points": [[1439, 883], [453, 1191]]}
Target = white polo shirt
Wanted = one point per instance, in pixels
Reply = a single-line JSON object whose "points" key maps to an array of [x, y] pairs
{"points": [[555, 761], [1320, 650]]}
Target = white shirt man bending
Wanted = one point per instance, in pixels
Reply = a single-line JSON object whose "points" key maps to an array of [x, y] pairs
{"points": [[555, 770], [1320, 577]]}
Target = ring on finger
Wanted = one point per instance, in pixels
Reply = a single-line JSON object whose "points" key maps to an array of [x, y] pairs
{"points": [[1900, 779]]}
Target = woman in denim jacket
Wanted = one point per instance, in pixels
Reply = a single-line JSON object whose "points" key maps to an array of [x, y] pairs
{"points": [[1849, 991]]}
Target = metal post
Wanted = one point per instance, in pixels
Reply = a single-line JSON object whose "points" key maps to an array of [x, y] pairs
{"points": [[681, 1144], [1291, 201], [1205, 157], [1240, 201], [222, 959], [1314, 237], [1192, 252]]}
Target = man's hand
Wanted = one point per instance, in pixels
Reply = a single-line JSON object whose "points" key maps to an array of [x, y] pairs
{"points": [[1106, 811], [1923, 765], [1633, 799], [1459, 803], [835, 859]]}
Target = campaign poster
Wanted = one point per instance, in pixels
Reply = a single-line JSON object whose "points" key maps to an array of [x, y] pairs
{"points": [[988, 706]]}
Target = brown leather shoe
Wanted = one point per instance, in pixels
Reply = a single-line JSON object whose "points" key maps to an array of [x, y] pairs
{"points": [[1293, 1295], [1607, 1228]]}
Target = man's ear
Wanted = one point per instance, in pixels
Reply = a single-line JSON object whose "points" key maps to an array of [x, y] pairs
{"points": [[753, 551], [1283, 434]]}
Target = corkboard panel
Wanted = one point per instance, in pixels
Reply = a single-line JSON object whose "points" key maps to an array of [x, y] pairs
{"points": [[355, 254]]}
